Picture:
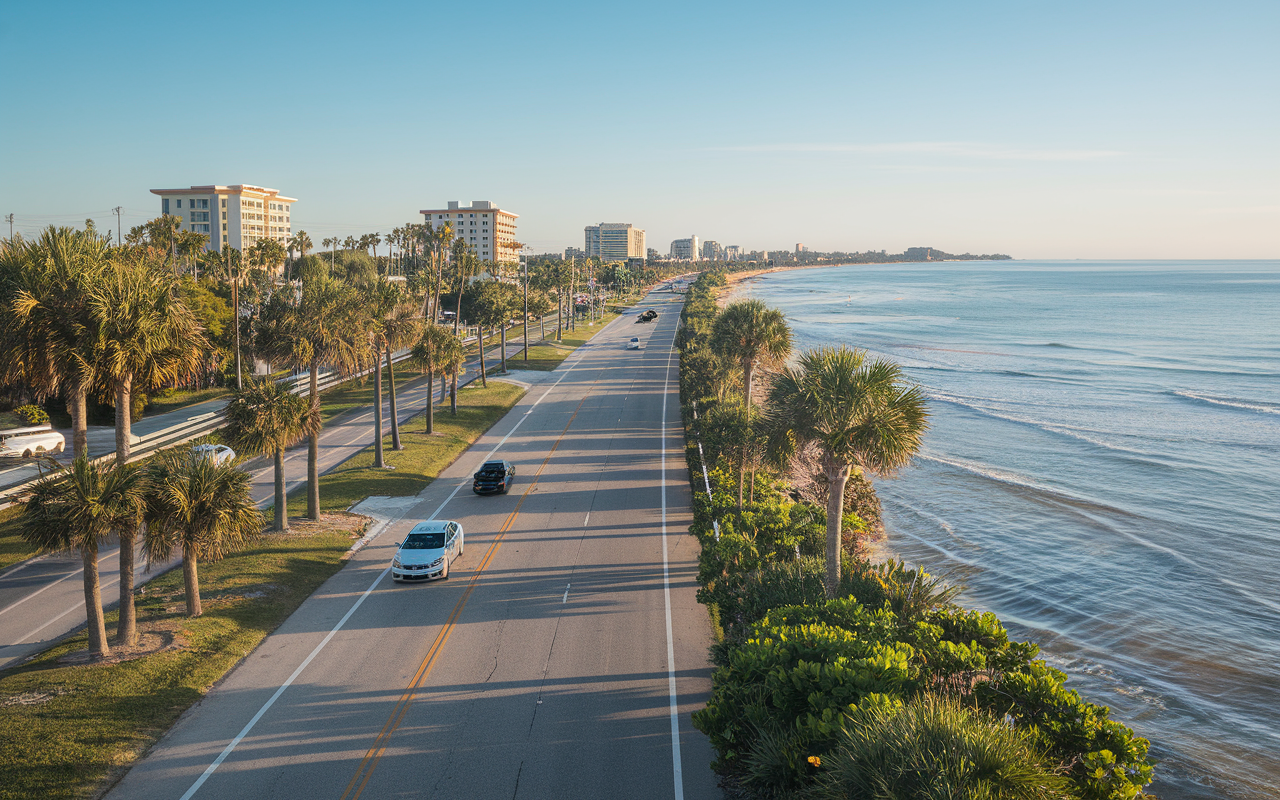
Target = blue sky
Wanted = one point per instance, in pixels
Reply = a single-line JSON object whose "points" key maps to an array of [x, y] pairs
{"points": [[1081, 130]]}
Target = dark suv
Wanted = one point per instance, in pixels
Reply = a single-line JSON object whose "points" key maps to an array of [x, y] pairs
{"points": [[494, 477]]}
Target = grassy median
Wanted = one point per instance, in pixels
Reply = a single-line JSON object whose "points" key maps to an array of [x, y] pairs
{"points": [[67, 725], [424, 455], [548, 354], [13, 548]]}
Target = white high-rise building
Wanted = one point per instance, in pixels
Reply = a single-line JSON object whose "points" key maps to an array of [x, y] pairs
{"points": [[687, 249], [235, 215], [614, 241], [487, 228]]}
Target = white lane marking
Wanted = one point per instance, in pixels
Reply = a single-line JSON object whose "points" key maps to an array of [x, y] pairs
{"points": [[666, 591], [204, 776], [565, 599], [17, 603], [267, 705], [587, 521]]}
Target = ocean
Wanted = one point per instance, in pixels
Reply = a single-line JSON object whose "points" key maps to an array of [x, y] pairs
{"points": [[1102, 472]]}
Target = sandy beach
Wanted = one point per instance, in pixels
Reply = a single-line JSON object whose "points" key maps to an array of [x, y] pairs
{"points": [[732, 279]]}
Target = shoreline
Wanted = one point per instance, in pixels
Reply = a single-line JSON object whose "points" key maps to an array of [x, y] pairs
{"points": [[732, 279]]}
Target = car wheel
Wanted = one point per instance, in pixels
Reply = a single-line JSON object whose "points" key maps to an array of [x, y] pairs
{"points": [[444, 576], [58, 448]]}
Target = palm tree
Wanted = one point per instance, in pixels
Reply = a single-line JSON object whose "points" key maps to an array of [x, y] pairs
{"points": [[331, 241], [203, 508], [301, 242], [46, 330], [266, 418], [465, 265], [392, 326], [752, 334], [147, 335], [267, 255], [858, 412], [327, 326], [936, 747], [435, 349], [77, 510]]}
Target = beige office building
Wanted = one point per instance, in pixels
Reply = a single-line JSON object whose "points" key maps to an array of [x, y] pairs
{"points": [[487, 228], [615, 241], [236, 215]]}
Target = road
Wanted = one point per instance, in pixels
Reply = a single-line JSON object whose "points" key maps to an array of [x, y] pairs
{"points": [[561, 659], [42, 600]]}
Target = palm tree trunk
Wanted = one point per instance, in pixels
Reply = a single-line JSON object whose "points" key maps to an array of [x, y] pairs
{"points": [[98, 647], [431, 399], [837, 477], [127, 629], [124, 417], [281, 519], [378, 462], [504, 348], [77, 404], [748, 372], [480, 335], [235, 320], [313, 450], [395, 420], [191, 580], [453, 395]]}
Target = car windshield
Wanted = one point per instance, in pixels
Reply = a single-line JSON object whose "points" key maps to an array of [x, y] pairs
{"points": [[424, 541], [493, 466]]}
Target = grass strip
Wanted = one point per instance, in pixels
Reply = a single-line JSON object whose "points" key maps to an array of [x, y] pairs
{"points": [[13, 548], [173, 399], [424, 456], [68, 726]]}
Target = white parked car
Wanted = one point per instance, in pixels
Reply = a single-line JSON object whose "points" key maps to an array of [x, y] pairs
{"points": [[28, 442], [634, 344], [220, 453], [425, 554]]}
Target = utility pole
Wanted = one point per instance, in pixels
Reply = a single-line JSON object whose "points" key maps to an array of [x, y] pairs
{"points": [[119, 241], [9, 219], [235, 303]]}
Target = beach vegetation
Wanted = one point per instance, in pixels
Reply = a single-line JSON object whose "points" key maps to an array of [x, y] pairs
{"points": [[856, 679]]}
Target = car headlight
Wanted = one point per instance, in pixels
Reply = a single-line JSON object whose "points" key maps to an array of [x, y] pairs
{"points": [[395, 562]]}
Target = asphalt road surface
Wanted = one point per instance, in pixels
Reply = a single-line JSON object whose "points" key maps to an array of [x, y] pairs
{"points": [[561, 658], [42, 599]]}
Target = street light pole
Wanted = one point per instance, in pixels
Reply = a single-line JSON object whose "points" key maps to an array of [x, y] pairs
{"points": [[526, 308]]}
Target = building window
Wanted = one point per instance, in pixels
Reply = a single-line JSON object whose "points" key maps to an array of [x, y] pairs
{"points": [[179, 204], [164, 206]]}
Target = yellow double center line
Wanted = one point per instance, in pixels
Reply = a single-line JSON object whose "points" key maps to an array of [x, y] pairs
{"points": [[371, 758]]}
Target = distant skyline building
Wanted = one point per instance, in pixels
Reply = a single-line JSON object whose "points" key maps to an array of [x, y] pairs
{"points": [[490, 230], [614, 241], [239, 215], [800, 248], [711, 251], [574, 252], [733, 252], [653, 254], [685, 249]]}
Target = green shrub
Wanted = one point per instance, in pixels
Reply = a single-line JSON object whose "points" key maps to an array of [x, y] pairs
{"points": [[935, 748], [32, 414]]}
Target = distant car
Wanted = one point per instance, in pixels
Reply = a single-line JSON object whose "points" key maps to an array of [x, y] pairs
{"points": [[220, 453], [634, 344], [425, 554], [28, 442], [647, 316], [494, 477]]}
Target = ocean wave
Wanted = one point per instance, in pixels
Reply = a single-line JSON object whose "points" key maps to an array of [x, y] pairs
{"points": [[1070, 431], [1259, 406]]}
